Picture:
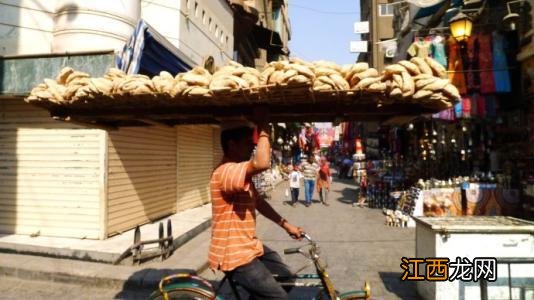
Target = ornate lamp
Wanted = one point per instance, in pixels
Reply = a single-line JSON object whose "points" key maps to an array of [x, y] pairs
{"points": [[461, 26]]}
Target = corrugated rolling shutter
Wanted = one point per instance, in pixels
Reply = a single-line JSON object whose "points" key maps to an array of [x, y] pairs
{"points": [[195, 164], [50, 174], [141, 176]]}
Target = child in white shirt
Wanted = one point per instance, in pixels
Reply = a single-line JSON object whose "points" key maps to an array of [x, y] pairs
{"points": [[294, 185]]}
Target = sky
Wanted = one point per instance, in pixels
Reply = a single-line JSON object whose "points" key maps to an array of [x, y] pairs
{"points": [[323, 29]]}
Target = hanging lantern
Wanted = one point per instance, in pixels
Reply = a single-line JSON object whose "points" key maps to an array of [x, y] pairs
{"points": [[461, 26], [280, 141]]}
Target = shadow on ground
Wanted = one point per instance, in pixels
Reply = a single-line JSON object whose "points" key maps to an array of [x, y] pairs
{"points": [[402, 289], [141, 284], [348, 195]]}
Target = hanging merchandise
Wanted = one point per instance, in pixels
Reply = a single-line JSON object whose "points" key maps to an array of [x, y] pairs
{"points": [[456, 77], [420, 48], [438, 50], [500, 66], [458, 108], [474, 105], [473, 77], [485, 60], [481, 105], [466, 107]]}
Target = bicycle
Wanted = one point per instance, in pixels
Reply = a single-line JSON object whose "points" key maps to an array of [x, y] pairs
{"points": [[187, 286]]}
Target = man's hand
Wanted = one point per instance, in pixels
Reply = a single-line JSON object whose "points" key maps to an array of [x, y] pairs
{"points": [[293, 231], [260, 116]]}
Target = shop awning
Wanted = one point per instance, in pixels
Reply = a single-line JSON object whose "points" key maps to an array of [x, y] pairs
{"points": [[148, 52], [430, 7]]}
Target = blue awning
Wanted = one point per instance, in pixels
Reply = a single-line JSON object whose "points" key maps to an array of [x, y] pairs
{"points": [[148, 52], [430, 10]]}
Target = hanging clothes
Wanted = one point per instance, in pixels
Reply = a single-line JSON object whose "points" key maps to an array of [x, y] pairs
{"points": [[456, 77], [474, 105], [438, 50], [481, 105], [500, 66], [466, 107], [473, 78], [458, 108], [419, 48], [485, 60]]}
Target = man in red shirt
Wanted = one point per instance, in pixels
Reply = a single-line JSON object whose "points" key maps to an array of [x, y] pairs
{"points": [[235, 249]]}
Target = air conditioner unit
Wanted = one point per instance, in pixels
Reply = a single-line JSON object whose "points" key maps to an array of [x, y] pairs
{"points": [[390, 52]]}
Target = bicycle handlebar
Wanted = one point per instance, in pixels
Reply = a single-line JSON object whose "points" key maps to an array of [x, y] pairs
{"points": [[291, 250]]}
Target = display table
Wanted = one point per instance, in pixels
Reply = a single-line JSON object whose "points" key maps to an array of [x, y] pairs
{"points": [[471, 237]]}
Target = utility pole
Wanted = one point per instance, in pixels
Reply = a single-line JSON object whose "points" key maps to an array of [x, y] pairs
{"points": [[373, 22]]}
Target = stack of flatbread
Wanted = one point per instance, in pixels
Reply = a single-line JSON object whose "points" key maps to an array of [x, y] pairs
{"points": [[420, 79], [234, 76], [290, 72], [360, 77], [328, 76]]}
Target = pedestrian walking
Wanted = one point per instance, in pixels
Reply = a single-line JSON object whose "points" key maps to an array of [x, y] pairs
{"points": [[294, 185], [235, 248], [309, 170], [324, 178]]}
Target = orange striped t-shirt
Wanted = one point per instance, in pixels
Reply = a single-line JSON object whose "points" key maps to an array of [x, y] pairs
{"points": [[233, 236]]}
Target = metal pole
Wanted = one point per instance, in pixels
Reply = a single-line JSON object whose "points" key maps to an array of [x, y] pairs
{"points": [[509, 280], [483, 289]]}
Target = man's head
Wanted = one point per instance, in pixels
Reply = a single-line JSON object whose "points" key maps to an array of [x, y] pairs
{"points": [[309, 128], [237, 141]]}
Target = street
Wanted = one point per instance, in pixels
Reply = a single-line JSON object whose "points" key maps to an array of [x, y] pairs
{"points": [[354, 242]]}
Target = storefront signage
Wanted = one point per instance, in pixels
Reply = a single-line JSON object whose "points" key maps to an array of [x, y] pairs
{"points": [[361, 27], [358, 46]]}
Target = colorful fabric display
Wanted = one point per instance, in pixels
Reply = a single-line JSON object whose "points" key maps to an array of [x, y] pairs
{"points": [[473, 77], [500, 66], [485, 59], [458, 108], [438, 50], [457, 76], [466, 107], [419, 48]]}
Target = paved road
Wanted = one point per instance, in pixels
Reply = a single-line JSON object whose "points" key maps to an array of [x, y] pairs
{"points": [[14, 289], [354, 241]]}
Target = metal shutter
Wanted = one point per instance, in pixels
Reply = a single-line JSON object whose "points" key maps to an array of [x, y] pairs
{"points": [[195, 164], [141, 176], [50, 174]]}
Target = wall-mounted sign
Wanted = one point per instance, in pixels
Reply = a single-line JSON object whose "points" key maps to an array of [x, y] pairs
{"points": [[361, 27], [358, 46]]}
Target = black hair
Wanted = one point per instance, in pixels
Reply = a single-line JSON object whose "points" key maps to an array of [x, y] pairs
{"points": [[234, 134]]}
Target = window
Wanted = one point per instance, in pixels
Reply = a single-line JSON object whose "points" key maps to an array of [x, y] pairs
{"points": [[226, 41], [210, 24], [204, 18], [386, 10], [187, 5], [216, 31], [222, 37], [196, 9]]}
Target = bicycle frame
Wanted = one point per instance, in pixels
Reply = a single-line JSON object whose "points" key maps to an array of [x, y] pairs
{"points": [[188, 283]]}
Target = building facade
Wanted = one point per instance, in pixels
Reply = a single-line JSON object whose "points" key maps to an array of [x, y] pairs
{"points": [[77, 180], [379, 14]]}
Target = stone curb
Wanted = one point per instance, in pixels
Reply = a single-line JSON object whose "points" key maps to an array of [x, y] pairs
{"points": [[90, 255]]}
